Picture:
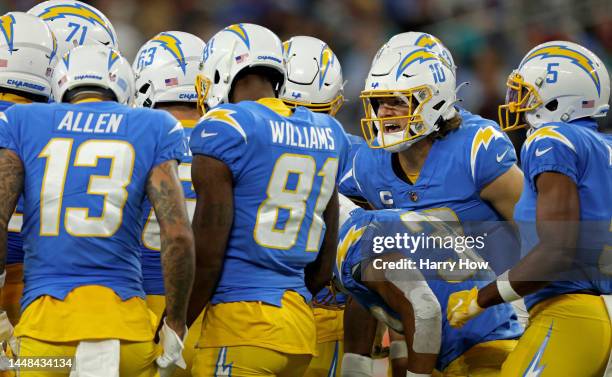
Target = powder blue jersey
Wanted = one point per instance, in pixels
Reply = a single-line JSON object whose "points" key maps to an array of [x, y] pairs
{"points": [[347, 185], [284, 171], [457, 168], [578, 151], [86, 167], [356, 248]]}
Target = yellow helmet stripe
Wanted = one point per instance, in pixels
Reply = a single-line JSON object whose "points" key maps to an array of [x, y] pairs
{"points": [[76, 10], [576, 57], [420, 55], [7, 23]]}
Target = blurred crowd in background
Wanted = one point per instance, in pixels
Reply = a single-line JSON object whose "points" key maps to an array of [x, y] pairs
{"points": [[486, 37]]}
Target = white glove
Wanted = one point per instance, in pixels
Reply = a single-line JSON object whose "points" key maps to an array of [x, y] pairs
{"points": [[173, 351], [6, 336], [6, 329]]}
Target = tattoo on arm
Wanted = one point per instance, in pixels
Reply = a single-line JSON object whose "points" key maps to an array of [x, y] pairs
{"points": [[177, 246], [11, 186]]}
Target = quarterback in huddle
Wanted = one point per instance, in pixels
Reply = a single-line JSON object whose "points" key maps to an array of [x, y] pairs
{"points": [[202, 212]]}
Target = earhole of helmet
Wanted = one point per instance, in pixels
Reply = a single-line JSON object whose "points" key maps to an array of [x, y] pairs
{"points": [[439, 105], [552, 105], [144, 88]]}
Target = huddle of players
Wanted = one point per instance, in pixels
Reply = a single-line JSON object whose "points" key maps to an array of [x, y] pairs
{"points": [[275, 164]]}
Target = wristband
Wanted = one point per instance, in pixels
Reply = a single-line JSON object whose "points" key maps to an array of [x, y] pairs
{"points": [[398, 350], [354, 365], [507, 293]]}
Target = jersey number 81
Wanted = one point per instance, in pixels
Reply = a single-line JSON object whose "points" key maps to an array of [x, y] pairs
{"points": [[294, 201]]}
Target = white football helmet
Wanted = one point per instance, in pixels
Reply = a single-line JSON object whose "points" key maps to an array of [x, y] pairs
{"points": [[166, 68], [94, 66], [420, 84], [314, 75], [232, 50], [418, 39], [28, 51], [75, 24], [556, 81]]}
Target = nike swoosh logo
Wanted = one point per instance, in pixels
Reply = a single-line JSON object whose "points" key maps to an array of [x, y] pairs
{"points": [[204, 134], [539, 152], [500, 157]]}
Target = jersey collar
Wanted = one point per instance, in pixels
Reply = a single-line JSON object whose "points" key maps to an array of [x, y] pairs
{"points": [[87, 100], [188, 123], [14, 98], [276, 105]]}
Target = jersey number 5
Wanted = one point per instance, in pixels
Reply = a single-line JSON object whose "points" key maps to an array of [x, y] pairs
{"points": [[294, 200], [77, 221]]}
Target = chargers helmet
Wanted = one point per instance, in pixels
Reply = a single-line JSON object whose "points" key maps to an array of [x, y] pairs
{"points": [[314, 75], [556, 81], [421, 83], [75, 24], [166, 68], [94, 66], [418, 39], [232, 50], [28, 51]]}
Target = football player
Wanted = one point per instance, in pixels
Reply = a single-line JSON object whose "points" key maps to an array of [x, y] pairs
{"points": [[25, 38], [409, 102], [266, 211], [427, 154], [558, 91], [76, 24], [410, 299], [314, 76], [85, 166], [314, 80], [166, 67]]}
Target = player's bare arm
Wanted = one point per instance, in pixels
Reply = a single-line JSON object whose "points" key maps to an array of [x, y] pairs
{"points": [[319, 273], [212, 223], [504, 191], [177, 245], [359, 336], [11, 185], [557, 216], [360, 328]]}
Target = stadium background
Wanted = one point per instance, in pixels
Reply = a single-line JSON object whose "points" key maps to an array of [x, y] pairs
{"points": [[486, 37]]}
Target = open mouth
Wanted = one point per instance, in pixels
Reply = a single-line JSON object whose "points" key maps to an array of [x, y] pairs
{"points": [[391, 128]]}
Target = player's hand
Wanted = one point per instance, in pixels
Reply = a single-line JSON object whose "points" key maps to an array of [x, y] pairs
{"points": [[462, 307], [6, 337], [173, 346], [6, 328]]}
